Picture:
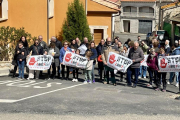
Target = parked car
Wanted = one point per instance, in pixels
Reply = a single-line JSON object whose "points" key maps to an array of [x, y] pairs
{"points": [[160, 35]]}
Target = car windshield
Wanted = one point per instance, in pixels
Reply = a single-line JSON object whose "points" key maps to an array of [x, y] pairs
{"points": [[160, 32]]}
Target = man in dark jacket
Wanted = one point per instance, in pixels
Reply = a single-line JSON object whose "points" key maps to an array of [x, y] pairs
{"points": [[108, 47], [42, 43], [59, 46], [136, 55], [100, 63], [85, 42]]}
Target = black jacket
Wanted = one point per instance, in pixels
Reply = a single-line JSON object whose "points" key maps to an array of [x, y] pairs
{"points": [[58, 44], [20, 55], [36, 50], [99, 49], [86, 44], [74, 46]]}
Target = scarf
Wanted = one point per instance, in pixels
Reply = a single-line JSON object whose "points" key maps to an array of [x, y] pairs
{"points": [[152, 56], [166, 46]]}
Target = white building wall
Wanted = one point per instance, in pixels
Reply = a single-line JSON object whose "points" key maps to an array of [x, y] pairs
{"points": [[134, 25]]}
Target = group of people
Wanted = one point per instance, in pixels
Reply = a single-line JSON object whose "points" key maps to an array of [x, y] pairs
{"points": [[134, 50]]}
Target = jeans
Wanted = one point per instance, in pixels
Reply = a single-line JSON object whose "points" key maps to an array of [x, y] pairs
{"points": [[93, 75], [21, 68], [171, 77], [107, 70], [151, 72], [88, 75], [131, 71], [143, 70]]}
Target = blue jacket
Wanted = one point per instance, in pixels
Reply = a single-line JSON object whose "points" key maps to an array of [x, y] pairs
{"points": [[62, 53], [176, 51], [94, 56]]}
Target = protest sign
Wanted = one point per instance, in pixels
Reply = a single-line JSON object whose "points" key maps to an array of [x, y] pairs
{"points": [[169, 63], [118, 62], [74, 60], [82, 49], [144, 61], [39, 62]]}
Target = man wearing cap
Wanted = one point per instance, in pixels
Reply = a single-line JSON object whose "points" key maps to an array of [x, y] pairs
{"points": [[136, 55]]}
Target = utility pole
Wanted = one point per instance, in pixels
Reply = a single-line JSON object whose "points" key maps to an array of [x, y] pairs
{"points": [[159, 26]]}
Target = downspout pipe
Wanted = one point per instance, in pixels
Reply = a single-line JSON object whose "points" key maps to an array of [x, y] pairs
{"points": [[113, 25], [86, 7], [48, 21]]}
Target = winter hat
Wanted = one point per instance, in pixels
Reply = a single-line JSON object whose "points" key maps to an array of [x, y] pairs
{"points": [[125, 45]]}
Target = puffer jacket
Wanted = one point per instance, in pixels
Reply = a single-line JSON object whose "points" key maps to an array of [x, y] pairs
{"points": [[106, 49]]}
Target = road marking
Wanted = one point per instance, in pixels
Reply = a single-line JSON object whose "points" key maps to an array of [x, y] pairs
{"points": [[13, 101]]}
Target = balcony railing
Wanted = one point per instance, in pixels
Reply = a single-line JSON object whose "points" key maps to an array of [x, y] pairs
{"points": [[137, 14]]}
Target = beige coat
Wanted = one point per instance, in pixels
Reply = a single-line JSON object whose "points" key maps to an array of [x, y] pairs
{"points": [[89, 65]]}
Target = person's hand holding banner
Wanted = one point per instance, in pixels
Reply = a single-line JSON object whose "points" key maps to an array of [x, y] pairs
{"points": [[118, 62]]}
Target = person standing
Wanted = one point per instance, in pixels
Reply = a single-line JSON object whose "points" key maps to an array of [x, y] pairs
{"points": [[43, 45], [100, 62], [175, 51], [89, 67], [92, 48], [116, 42], [36, 50], [161, 74], [78, 41], [152, 62], [108, 47], [85, 42], [143, 69], [21, 59], [136, 55], [59, 46], [120, 47], [62, 53], [25, 45], [54, 52]]}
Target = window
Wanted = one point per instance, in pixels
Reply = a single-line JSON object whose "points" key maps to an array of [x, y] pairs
{"points": [[3, 9], [146, 10], [51, 8], [129, 9]]}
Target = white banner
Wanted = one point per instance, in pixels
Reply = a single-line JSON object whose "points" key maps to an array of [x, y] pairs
{"points": [[118, 62], [74, 60], [144, 61], [169, 63], [39, 62]]}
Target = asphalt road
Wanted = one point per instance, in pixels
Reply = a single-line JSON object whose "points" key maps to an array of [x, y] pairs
{"points": [[60, 99]]}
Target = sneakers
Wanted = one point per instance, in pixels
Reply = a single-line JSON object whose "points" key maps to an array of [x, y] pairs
{"points": [[75, 80], [139, 77], [144, 77], [19, 78], [90, 82], [85, 82], [177, 85], [149, 85], [157, 89], [168, 83], [93, 81]]}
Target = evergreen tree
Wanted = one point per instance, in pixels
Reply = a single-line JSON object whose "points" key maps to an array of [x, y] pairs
{"points": [[76, 24]]}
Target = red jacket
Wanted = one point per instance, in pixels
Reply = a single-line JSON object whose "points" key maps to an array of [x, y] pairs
{"points": [[152, 63]]}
